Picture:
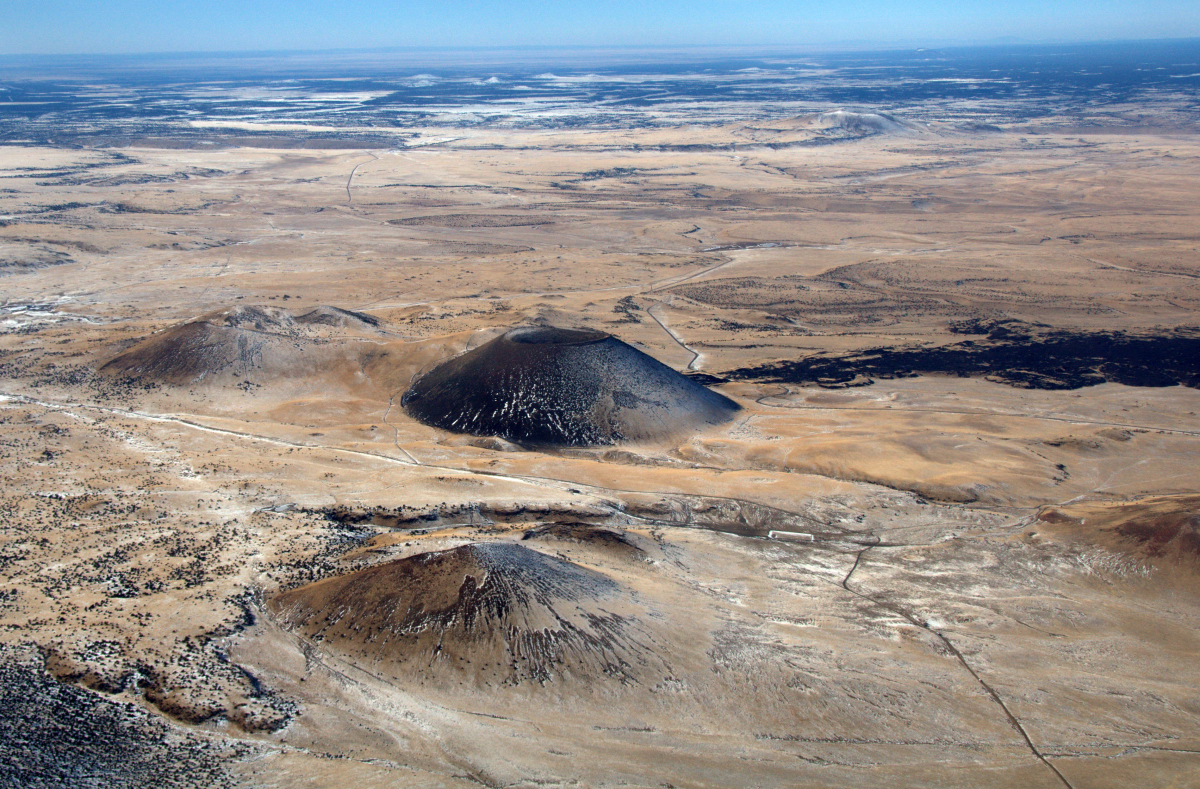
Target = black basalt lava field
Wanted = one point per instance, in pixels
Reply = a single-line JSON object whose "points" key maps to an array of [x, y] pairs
{"points": [[572, 387], [1017, 354], [59, 735]]}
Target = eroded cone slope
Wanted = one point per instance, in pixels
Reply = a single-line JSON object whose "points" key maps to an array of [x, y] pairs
{"points": [[543, 385], [487, 612], [237, 342]]}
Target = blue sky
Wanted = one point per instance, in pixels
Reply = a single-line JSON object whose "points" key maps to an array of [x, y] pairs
{"points": [[126, 26]]}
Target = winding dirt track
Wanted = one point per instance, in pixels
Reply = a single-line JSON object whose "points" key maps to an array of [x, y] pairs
{"points": [[924, 624], [350, 178], [694, 364]]}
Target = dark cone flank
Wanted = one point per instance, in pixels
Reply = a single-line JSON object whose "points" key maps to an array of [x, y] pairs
{"points": [[544, 385], [490, 612]]}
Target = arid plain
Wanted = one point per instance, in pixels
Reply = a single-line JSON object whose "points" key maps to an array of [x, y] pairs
{"points": [[974, 572]]}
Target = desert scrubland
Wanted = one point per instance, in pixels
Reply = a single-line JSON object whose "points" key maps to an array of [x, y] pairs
{"points": [[949, 539]]}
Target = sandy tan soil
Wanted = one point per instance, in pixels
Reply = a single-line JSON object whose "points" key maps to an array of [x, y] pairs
{"points": [[925, 580]]}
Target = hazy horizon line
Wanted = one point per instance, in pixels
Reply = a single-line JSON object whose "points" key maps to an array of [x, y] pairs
{"points": [[833, 47]]}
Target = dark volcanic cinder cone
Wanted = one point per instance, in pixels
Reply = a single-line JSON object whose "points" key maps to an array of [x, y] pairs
{"points": [[494, 613], [542, 385]]}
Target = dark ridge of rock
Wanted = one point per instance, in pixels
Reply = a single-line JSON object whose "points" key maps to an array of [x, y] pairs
{"points": [[706, 379], [54, 735], [616, 543], [978, 128], [1022, 355], [32, 262], [232, 342], [473, 513], [493, 613], [566, 387]]}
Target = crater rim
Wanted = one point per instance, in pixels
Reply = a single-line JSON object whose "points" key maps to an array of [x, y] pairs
{"points": [[554, 335]]}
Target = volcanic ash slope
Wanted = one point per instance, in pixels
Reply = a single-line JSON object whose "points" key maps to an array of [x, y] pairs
{"points": [[240, 341], [481, 614], [551, 386]]}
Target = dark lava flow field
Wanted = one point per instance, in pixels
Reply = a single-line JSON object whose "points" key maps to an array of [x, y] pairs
{"points": [[1032, 357]]}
